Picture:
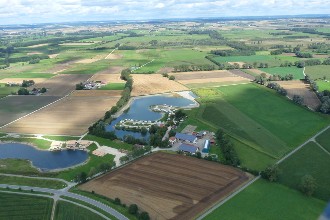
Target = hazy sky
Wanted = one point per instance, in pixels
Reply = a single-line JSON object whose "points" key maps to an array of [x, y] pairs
{"points": [[41, 11]]}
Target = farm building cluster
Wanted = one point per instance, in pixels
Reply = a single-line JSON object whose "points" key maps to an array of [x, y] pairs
{"points": [[90, 85], [191, 142], [70, 145]]}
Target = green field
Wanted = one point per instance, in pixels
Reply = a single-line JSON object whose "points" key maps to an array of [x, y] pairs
{"points": [[312, 160], [260, 137], [29, 76], [13, 180], [282, 71], [318, 72], [324, 139], [113, 86], [69, 211], [323, 85], [17, 166], [264, 200], [5, 90], [24, 207], [93, 162], [115, 144], [39, 143]]}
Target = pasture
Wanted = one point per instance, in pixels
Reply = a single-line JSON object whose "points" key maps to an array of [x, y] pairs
{"points": [[24, 207], [318, 72], [27, 104], [113, 86], [154, 84], [13, 180], [312, 160], [282, 71], [169, 186], [297, 87], [265, 200], [70, 116], [68, 211]]}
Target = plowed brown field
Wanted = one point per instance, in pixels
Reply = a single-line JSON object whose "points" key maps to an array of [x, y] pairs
{"points": [[169, 186]]}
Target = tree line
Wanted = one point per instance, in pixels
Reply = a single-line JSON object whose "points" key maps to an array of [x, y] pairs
{"points": [[227, 149]]}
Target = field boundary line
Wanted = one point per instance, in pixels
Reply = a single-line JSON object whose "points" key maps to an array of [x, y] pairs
{"points": [[312, 139], [36, 110], [318, 144], [110, 53], [217, 205], [143, 65]]}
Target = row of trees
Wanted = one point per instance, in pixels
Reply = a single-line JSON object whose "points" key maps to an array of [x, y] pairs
{"points": [[135, 153], [227, 149], [325, 100], [189, 68], [277, 88]]}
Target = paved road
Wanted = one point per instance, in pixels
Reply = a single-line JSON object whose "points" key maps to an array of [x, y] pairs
{"points": [[58, 193]]}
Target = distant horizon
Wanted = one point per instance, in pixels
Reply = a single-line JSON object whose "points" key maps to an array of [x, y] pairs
{"points": [[59, 11], [146, 20]]}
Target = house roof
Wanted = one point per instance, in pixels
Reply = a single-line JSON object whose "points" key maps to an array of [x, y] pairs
{"points": [[187, 137], [188, 148]]}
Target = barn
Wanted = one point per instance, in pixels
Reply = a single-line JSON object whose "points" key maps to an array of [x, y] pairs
{"points": [[186, 137], [187, 148]]}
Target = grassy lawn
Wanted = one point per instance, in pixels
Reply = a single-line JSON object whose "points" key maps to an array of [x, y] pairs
{"points": [[93, 162], [311, 160], [90, 68], [28, 75], [17, 166], [5, 90], [323, 85], [264, 200], [113, 86], [69, 211], [282, 71], [324, 140], [39, 143], [12, 180], [106, 142], [24, 207]]}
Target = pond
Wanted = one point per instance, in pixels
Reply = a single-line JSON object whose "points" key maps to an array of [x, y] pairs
{"points": [[140, 110], [43, 160]]}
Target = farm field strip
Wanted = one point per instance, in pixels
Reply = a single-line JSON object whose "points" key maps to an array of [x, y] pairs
{"points": [[154, 84], [154, 183], [63, 118]]}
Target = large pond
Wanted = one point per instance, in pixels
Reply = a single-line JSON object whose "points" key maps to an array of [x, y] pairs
{"points": [[140, 110], [44, 160]]}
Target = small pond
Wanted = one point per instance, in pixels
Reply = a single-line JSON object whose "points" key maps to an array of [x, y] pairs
{"points": [[42, 159], [140, 110]]}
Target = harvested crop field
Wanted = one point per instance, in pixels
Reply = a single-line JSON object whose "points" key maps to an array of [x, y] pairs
{"points": [[242, 74], [205, 77], [10, 111], [169, 186], [91, 60], [239, 63], [113, 56], [298, 87], [107, 78], [154, 84], [112, 70], [61, 85], [70, 116], [259, 72]]}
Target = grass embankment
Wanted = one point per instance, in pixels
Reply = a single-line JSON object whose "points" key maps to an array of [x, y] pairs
{"points": [[24, 207], [13, 180], [17, 166], [312, 160], [61, 138], [93, 163], [123, 210], [264, 200], [67, 211]]}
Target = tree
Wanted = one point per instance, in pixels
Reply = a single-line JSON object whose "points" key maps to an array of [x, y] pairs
{"points": [[270, 173], [298, 99], [79, 86], [308, 185], [144, 131], [144, 216], [81, 177], [23, 91], [133, 209], [43, 90], [117, 201], [172, 77], [199, 155]]}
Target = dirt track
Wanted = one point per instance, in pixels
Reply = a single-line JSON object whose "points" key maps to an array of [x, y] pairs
{"points": [[169, 186], [154, 84]]}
